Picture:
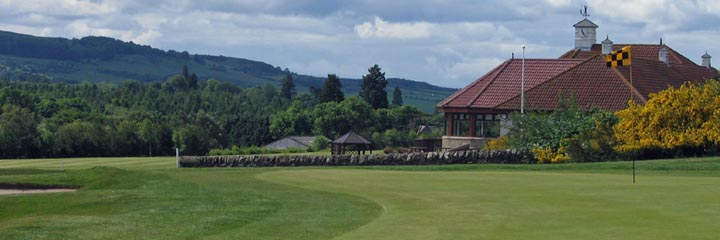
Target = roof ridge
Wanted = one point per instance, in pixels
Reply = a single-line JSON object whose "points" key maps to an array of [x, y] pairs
{"points": [[678, 56], [297, 141], [580, 62], [500, 69], [550, 59]]}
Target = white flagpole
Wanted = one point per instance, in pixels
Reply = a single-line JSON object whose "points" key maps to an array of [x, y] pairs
{"points": [[522, 84]]}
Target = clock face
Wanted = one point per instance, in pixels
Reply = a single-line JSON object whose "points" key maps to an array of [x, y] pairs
{"points": [[580, 33]]}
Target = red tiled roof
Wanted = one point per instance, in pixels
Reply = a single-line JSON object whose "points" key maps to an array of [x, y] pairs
{"points": [[503, 82], [581, 75], [605, 88]]}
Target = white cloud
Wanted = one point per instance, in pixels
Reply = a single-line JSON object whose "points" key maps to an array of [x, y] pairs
{"points": [[558, 3], [147, 37], [382, 29], [468, 70], [448, 43], [60, 7]]}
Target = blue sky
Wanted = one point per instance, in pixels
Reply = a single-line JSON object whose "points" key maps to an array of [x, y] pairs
{"points": [[447, 43]]}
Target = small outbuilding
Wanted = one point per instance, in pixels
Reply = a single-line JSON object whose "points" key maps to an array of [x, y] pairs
{"points": [[351, 142], [299, 142]]}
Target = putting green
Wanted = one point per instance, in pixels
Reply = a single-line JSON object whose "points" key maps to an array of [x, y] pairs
{"points": [[522, 205]]}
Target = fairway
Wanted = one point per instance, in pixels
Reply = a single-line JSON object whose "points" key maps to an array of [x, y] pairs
{"points": [[522, 205], [147, 198]]}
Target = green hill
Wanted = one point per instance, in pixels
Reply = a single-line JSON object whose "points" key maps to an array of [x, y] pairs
{"points": [[103, 59]]}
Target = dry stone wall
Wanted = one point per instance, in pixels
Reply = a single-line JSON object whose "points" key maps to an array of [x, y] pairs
{"points": [[430, 158]]}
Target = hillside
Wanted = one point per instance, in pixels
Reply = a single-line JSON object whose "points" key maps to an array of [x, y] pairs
{"points": [[103, 59]]}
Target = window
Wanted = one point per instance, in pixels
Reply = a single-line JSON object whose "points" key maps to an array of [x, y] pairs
{"points": [[487, 125], [461, 124]]}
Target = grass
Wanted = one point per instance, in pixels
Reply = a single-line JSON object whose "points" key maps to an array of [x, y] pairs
{"points": [[146, 198], [179, 204]]}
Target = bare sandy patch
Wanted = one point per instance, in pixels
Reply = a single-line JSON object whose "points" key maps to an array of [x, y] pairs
{"points": [[34, 191]]}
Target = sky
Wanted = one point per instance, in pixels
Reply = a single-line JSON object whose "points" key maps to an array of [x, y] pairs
{"points": [[447, 43]]}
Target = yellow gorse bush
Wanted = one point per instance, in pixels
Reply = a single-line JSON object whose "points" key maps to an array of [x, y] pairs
{"points": [[500, 143], [688, 116], [548, 155]]}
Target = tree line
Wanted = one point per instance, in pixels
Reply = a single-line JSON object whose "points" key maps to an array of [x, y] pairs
{"points": [[134, 118]]}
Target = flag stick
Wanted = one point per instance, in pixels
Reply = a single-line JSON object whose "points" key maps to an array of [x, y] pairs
{"points": [[631, 93], [522, 84]]}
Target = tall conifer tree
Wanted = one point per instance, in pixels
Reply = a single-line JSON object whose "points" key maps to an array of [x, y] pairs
{"points": [[288, 87], [332, 90], [373, 86], [397, 97]]}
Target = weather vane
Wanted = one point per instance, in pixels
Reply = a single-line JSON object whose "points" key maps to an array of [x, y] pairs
{"points": [[585, 13]]}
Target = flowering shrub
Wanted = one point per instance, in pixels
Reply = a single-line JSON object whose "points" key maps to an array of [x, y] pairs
{"points": [[500, 143], [682, 121], [547, 155]]}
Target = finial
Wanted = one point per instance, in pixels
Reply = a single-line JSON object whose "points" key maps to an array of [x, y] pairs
{"points": [[584, 13], [661, 42], [513, 55]]}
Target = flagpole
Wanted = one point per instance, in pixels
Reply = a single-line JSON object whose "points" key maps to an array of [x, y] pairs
{"points": [[631, 94], [522, 84]]}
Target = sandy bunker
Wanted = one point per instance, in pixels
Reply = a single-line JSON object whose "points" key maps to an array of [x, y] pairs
{"points": [[15, 188], [33, 191]]}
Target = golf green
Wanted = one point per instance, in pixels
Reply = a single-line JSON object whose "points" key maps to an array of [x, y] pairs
{"points": [[147, 198], [523, 205]]}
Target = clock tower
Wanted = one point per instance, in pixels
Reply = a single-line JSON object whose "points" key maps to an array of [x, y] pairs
{"points": [[585, 35]]}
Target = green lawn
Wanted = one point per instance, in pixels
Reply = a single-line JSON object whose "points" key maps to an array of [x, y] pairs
{"points": [[146, 198]]}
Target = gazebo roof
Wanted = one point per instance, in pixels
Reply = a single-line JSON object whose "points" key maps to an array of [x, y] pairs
{"points": [[351, 138]]}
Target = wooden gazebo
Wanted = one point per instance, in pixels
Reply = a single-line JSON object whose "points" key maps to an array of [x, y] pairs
{"points": [[351, 142]]}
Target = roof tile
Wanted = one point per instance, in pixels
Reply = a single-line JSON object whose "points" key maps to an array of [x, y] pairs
{"points": [[582, 75]]}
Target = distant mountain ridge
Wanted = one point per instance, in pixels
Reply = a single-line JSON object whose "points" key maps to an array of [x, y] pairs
{"points": [[104, 59]]}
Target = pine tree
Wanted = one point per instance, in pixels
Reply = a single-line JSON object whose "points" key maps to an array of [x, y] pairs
{"points": [[332, 90], [288, 87], [185, 71], [397, 97], [373, 86], [193, 81]]}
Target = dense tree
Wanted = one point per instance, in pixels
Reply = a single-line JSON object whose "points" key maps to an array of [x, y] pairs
{"points": [[287, 91], [550, 135], [192, 140], [314, 91], [17, 131], [332, 90], [185, 71], [193, 81], [294, 121], [155, 137], [397, 97], [134, 118], [372, 89]]}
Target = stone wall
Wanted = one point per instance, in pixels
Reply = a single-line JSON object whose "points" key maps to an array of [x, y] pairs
{"points": [[430, 158]]}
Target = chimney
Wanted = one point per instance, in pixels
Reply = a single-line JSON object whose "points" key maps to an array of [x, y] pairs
{"points": [[706, 60], [663, 55], [607, 46]]}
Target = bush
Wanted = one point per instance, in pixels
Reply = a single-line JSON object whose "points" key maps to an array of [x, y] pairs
{"points": [[596, 144], [547, 155], [500, 143], [387, 150], [320, 143], [675, 122]]}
